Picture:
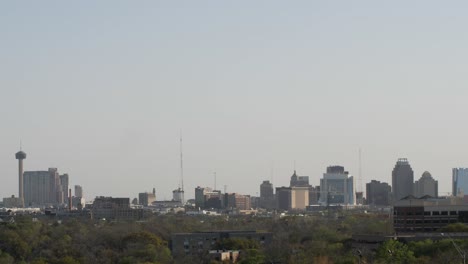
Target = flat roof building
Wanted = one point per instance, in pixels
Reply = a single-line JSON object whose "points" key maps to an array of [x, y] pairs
{"points": [[43, 188], [460, 181], [147, 198], [202, 242], [78, 191], [428, 214], [283, 198], [378, 193], [299, 197], [337, 187], [115, 209]]}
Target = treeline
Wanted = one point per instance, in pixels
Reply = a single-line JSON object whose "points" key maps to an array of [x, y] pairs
{"points": [[79, 242], [295, 240]]}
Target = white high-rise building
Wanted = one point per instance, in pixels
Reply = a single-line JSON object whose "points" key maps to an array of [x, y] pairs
{"points": [[337, 187], [42, 188]]}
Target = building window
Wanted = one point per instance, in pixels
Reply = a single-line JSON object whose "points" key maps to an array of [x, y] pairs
{"points": [[453, 212], [435, 213], [444, 213]]}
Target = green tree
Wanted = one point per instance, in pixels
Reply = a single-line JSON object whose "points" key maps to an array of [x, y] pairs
{"points": [[146, 247], [6, 258], [456, 227], [392, 251]]}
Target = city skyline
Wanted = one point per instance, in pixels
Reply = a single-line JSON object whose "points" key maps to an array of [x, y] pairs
{"points": [[293, 180], [102, 90]]}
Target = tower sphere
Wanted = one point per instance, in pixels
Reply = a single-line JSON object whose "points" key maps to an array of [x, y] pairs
{"points": [[20, 155]]}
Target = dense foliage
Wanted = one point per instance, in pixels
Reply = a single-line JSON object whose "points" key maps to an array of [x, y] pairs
{"points": [[296, 239]]}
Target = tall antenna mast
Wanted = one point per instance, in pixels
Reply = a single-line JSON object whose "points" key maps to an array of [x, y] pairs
{"points": [[214, 181], [271, 172], [360, 172], [181, 164]]}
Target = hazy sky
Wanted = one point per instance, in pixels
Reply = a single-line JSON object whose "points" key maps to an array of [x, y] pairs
{"points": [[102, 89]]}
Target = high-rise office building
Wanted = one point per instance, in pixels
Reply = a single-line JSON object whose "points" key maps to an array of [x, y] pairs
{"points": [[78, 191], [200, 196], [460, 181], [292, 198], [314, 195], [283, 198], [214, 199], [146, 198], [237, 201], [42, 188], [402, 179], [426, 185], [337, 187], [298, 180], [296, 196], [208, 198], [267, 197], [378, 193], [64, 179], [266, 190], [299, 197]]}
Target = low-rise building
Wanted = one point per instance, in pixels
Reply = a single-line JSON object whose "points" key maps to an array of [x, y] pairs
{"points": [[428, 214], [12, 202], [114, 209], [225, 256], [201, 242]]}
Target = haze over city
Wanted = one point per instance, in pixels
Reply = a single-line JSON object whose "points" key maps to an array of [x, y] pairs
{"points": [[103, 91]]}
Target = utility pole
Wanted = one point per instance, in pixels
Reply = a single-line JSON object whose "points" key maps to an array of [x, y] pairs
{"points": [[459, 250]]}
